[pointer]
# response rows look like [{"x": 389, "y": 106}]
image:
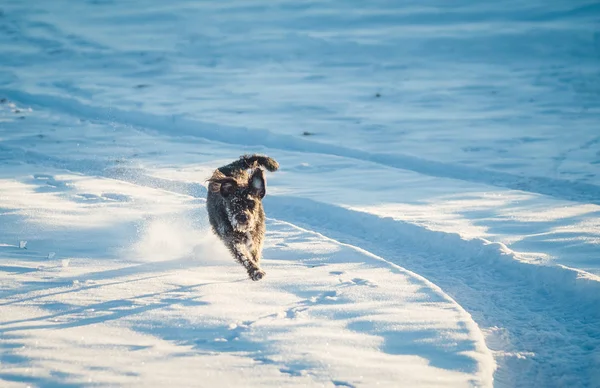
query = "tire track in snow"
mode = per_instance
[{"x": 558, "y": 188}]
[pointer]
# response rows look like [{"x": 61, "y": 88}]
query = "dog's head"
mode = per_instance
[{"x": 242, "y": 198}]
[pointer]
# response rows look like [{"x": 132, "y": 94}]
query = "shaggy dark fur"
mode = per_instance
[{"x": 235, "y": 211}]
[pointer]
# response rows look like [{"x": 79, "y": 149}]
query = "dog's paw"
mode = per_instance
[{"x": 257, "y": 274}]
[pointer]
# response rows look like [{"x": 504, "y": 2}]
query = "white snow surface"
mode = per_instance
[{"x": 435, "y": 221}]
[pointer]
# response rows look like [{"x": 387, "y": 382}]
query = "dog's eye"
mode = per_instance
[{"x": 251, "y": 205}]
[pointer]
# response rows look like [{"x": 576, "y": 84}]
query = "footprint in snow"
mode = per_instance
[
  {"x": 105, "y": 197},
  {"x": 116, "y": 197},
  {"x": 354, "y": 281},
  {"x": 88, "y": 197},
  {"x": 294, "y": 312},
  {"x": 50, "y": 181},
  {"x": 326, "y": 297},
  {"x": 360, "y": 282},
  {"x": 339, "y": 383}
]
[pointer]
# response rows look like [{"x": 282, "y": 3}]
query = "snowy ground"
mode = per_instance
[{"x": 435, "y": 222}]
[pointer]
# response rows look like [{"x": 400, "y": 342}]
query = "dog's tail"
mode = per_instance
[{"x": 250, "y": 161}]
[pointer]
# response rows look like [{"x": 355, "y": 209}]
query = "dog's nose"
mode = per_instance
[{"x": 242, "y": 218}]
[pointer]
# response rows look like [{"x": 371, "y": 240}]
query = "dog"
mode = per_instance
[{"x": 235, "y": 210}]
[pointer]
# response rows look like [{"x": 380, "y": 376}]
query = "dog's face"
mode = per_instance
[{"x": 242, "y": 200}]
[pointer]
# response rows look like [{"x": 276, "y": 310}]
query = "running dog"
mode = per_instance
[{"x": 235, "y": 210}]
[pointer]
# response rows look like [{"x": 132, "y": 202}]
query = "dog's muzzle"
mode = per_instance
[{"x": 241, "y": 219}]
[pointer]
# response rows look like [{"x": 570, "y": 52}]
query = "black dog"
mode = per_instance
[{"x": 235, "y": 211}]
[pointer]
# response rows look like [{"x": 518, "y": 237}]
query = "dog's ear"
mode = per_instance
[
  {"x": 214, "y": 186},
  {"x": 228, "y": 186},
  {"x": 258, "y": 184}
]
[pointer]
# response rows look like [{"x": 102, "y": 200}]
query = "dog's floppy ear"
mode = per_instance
[
  {"x": 226, "y": 186},
  {"x": 258, "y": 183}
]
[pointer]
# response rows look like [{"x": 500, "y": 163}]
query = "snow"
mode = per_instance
[
  {"x": 435, "y": 221},
  {"x": 153, "y": 283}
]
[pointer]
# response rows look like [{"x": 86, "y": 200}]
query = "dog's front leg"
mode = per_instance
[{"x": 241, "y": 254}]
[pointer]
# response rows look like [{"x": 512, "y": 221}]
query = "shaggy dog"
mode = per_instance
[{"x": 235, "y": 211}]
